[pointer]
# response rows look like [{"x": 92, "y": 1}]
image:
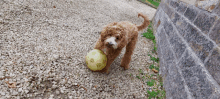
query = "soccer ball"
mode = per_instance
[{"x": 96, "y": 60}]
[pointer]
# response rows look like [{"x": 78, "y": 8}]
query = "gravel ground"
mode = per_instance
[{"x": 43, "y": 44}]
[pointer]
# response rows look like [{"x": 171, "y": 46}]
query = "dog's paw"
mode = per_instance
[
  {"x": 125, "y": 67},
  {"x": 104, "y": 71}
]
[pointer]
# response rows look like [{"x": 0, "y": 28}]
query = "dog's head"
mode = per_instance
[{"x": 113, "y": 36}]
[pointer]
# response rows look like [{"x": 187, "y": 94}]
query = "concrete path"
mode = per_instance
[{"x": 43, "y": 44}]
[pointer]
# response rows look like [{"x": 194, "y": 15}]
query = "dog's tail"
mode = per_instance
[{"x": 145, "y": 24}]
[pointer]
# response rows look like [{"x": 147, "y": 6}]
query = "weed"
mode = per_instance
[
  {"x": 152, "y": 66},
  {"x": 152, "y": 94},
  {"x": 141, "y": 72},
  {"x": 150, "y": 83},
  {"x": 156, "y": 94},
  {"x": 150, "y": 35},
  {"x": 161, "y": 94},
  {"x": 143, "y": 77},
  {"x": 155, "y": 48},
  {"x": 138, "y": 77},
  {"x": 151, "y": 75},
  {"x": 154, "y": 3},
  {"x": 153, "y": 58},
  {"x": 157, "y": 85},
  {"x": 148, "y": 76}
]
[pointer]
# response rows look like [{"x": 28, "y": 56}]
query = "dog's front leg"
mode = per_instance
[
  {"x": 111, "y": 55},
  {"x": 109, "y": 62}
]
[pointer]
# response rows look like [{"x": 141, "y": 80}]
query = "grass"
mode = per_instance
[
  {"x": 150, "y": 35},
  {"x": 155, "y": 48},
  {"x": 140, "y": 70},
  {"x": 159, "y": 94},
  {"x": 158, "y": 91},
  {"x": 153, "y": 58},
  {"x": 152, "y": 94},
  {"x": 153, "y": 67},
  {"x": 150, "y": 83},
  {"x": 153, "y": 3},
  {"x": 153, "y": 80}
]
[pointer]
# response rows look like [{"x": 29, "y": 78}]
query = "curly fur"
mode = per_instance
[{"x": 115, "y": 36}]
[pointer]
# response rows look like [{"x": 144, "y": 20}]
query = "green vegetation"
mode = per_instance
[
  {"x": 150, "y": 83},
  {"x": 154, "y": 59},
  {"x": 138, "y": 77},
  {"x": 141, "y": 72},
  {"x": 156, "y": 94},
  {"x": 157, "y": 84},
  {"x": 152, "y": 66},
  {"x": 152, "y": 3},
  {"x": 152, "y": 79},
  {"x": 150, "y": 35},
  {"x": 155, "y": 48},
  {"x": 152, "y": 94}
]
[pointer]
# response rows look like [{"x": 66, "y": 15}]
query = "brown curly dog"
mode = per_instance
[{"x": 115, "y": 36}]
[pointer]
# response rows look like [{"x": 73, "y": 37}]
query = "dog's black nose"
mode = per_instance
[{"x": 110, "y": 43}]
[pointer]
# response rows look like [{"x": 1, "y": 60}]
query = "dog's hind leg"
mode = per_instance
[{"x": 129, "y": 51}]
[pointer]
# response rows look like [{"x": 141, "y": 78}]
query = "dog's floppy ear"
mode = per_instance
[
  {"x": 103, "y": 34},
  {"x": 124, "y": 39}
]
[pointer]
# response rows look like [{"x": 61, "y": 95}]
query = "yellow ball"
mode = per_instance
[{"x": 96, "y": 60}]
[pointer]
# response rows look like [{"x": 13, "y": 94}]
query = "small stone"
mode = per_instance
[
  {"x": 31, "y": 66},
  {"x": 62, "y": 89},
  {"x": 51, "y": 96},
  {"x": 54, "y": 86},
  {"x": 57, "y": 92},
  {"x": 20, "y": 90},
  {"x": 8, "y": 96},
  {"x": 12, "y": 74},
  {"x": 2, "y": 93},
  {"x": 10, "y": 62},
  {"x": 71, "y": 97},
  {"x": 26, "y": 91},
  {"x": 14, "y": 93},
  {"x": 24, "y": 72},
  {"x": 69, "y": 82},
  {"x": 75, "y": 84},
  {"x": 25, "y": 79},
  {"x": 63, "y": 81},
  {"x": 56, "y": 56},
  {"x": 1, "y": 74}
]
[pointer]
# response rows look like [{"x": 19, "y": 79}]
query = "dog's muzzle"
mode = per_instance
[{"x": 111, "y": 42}]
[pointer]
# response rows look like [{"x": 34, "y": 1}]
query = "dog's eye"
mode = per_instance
[{"x": 117, "y": 38}]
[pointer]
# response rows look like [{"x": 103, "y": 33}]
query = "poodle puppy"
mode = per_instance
[{"x": 115, "y": 36}]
